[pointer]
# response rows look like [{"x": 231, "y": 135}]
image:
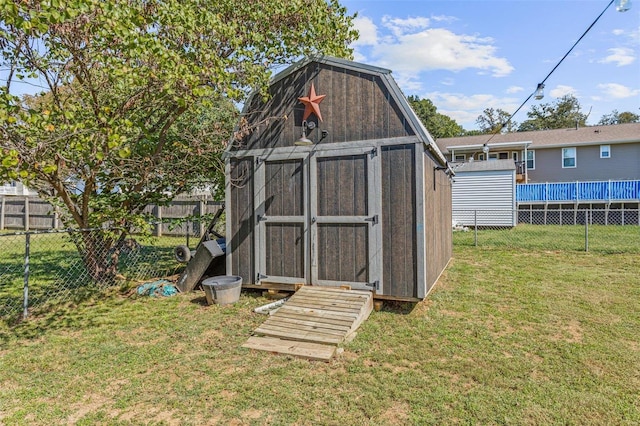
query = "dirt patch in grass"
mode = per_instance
[
  {"x": 397, "y": 414},
  {"x": 570, "y": 332}
]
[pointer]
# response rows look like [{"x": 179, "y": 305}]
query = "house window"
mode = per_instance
[
  {"x": 531, "y": 160},
  {"x": 514, "y": 154},
  {"x": 568, "y": 158},
  {"x": 605, "y": 151},
  {"x": 493, "y": 156},
  {"x": 481, "y": 157},
  {"x": 503, "y": 155},
  {"x": 460, "y": 158}
]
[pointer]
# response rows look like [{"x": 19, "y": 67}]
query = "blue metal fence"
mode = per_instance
[{"x": 571, "y": 192}]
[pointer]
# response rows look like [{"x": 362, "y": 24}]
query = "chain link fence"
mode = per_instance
[
  {"x": 43, "y": 268},
  {"x": 594, "y": 230}
]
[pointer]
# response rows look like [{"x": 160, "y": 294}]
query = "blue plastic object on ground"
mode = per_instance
[{"x": 162, "y": 288}]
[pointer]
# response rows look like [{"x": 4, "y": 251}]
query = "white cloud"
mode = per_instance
[
  {"x": 439, "y": 48},
  {"x": 514, "y": 89},
  {"x": 618, "y": 91},
  {"x": 466, "y": 109},
  {"x": 448, "y": 82},
  {"x": 368, "y": 32},
  {"x": 620, "y": 56},
  {"x": 560, "y": 90},
  {"x": 411, "y": 46},
  {"x": 400, "y": 27}
]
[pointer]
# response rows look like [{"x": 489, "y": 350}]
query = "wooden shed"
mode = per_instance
[{"x": 332, "y": 180}]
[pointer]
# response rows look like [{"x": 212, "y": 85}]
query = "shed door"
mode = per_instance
[
  {"x": 282, "y": 245},
  {"x": 345, "y": 226}
]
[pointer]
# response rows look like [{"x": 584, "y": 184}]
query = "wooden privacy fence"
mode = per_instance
[{"x": 25, "y": 213}]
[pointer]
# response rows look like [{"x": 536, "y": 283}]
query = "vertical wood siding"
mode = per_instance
[
  {"x": 342, "y": 186},
  {"x": 343, "y": 252},
  {"x": 242, "y": 219},
  {"x": 285, "y": 249},
  {"x": 358, "y": 106},
  {"x": 399, "y": 220},
  {"x": 438, "y": 238},
  {"x": 342, "y": 191},
  {"x": 284, "y": 196}
]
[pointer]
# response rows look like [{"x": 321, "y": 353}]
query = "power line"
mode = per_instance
[{"x": 541, "y": 84}]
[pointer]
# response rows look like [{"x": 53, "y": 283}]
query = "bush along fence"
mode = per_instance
[
  {"x": 595, "y": 230},
  {"x": 40, "y": 268}
]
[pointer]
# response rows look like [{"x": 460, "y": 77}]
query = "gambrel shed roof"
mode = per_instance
[{"x": 373, "y": 107}]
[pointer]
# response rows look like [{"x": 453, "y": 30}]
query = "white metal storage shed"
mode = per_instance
[{"x": 484, "y": 193}]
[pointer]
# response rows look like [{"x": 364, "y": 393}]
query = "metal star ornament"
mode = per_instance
[{"x": 312, "y": 103}]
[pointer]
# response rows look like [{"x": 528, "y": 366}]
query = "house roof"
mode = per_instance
[
  {"x": 484, "y": 166},
  {"x": 591, "y": 135}
]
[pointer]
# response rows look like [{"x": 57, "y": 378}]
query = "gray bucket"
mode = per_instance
[{"x": 222, "y": 289}]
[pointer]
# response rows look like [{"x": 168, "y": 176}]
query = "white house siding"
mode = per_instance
[{"x": 484, "y": 198}]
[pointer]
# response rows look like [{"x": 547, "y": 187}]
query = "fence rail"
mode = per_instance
[
  {"x": 596, "y": 191},
  {"x": 25, "y": 213}
]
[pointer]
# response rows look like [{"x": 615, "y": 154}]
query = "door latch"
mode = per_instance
[
  {"x": 373, "y": 219},
  {"x": 375, "y": 285}
]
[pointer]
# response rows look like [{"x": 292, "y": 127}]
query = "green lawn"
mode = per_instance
[
  {"x": 597, "y": 238},
  {"x": 508, "y": 336}
]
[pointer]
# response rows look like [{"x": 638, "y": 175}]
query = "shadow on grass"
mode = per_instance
[
  {"x": 55, "y": 315},
  {"x": 397, "y": 307}
]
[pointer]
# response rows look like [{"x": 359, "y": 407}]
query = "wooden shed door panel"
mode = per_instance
[
  {"x": 343, "y": 219},
  {"x": 280, "y": 197}
]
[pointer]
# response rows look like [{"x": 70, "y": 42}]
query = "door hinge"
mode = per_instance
[
  {"x": 261, "y": 218},
  {"x": 374, "y": 152},
  {"x": 259, "y": 161},
  {"x": 375, "y": 285},
  {"x": 373, "y": 219},
  {"x": 260, "y": 276}
]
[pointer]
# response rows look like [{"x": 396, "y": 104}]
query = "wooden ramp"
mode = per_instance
[{"x": 313, "y": 322}]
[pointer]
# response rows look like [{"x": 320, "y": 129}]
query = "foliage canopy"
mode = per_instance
[
  {"x": 563, "y": 113},
  {"x": 438, "y": 125},
  {"x": 138, "y": 97}
]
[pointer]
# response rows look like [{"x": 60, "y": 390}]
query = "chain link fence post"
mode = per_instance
[
  {"x": 25, "y": 291},
  {"x": 586, "y": 230},
  {"x": 475, "y": 228}
]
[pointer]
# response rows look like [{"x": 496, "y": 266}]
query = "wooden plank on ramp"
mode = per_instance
[{"x": 313, "y": 322}]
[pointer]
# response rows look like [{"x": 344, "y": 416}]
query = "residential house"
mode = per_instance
[
  {"x": 595, "y": 167},
  {"x": 594, "y": 153}
]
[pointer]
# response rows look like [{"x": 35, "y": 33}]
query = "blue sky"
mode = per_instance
[{"x": 466, "y": 56}]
